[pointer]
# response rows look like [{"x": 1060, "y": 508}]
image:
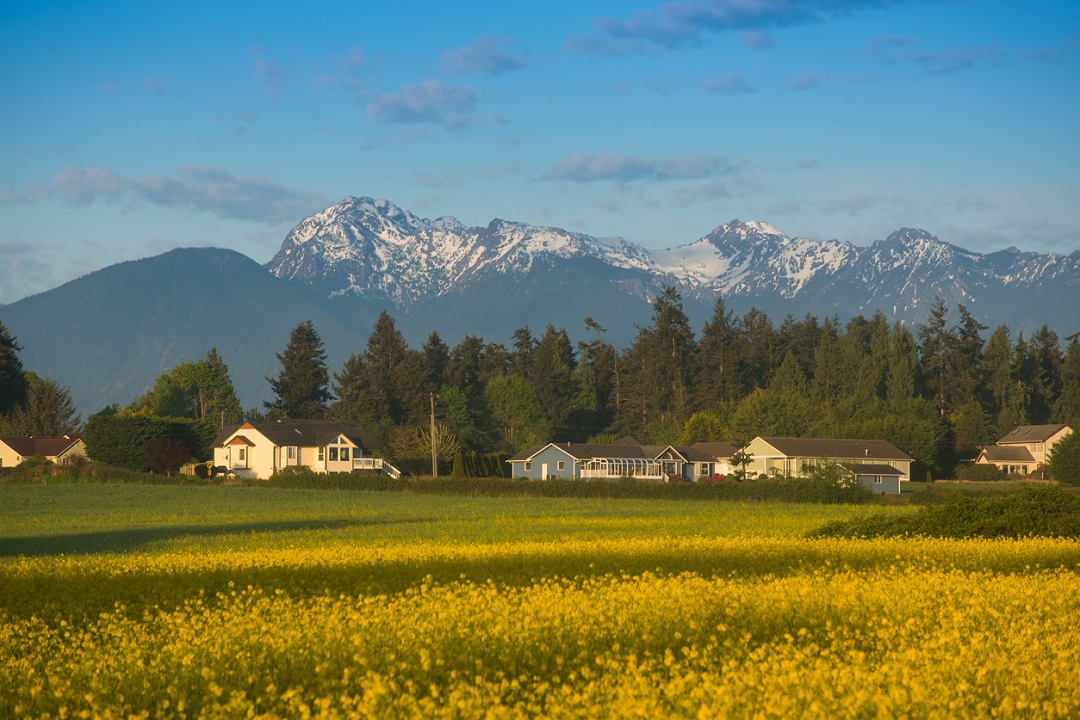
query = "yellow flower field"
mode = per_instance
[{"x": 364, "y": 605}]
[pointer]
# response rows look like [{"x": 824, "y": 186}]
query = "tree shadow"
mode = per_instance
[{"x": 127, "y": 540}]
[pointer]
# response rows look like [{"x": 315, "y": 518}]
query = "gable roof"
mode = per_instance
[
  {"x": 303, "y": 433},
  {"x": 41, "y": 446},
  {"x": 1005, "y": 453},
  {"x": 872, "y": 469},
  {"x": 838, "y": 448},
  {"x": 1031, "y": 433},
  {"x": 620, "y": 449},
  {"x": 716, "y": 450}
]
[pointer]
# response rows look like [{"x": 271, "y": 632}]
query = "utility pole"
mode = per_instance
[{"x": 434, "y": 454}]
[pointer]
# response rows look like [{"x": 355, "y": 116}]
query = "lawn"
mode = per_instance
[{"x": 165, "y": 601}]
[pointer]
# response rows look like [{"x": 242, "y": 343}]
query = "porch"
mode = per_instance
[
  {"x": 641, "y": 469},
  {"x": 370, "y": 463}
]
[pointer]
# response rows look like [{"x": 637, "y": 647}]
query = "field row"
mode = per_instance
[
  {"x": 219, "y": 604},
  {"x": 818, "y": 643}
]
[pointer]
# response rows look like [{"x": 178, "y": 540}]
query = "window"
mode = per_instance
[
  {"x": 243, "y": 454},
  {"x": 345, "y": 453},
  {"x": 528, "y": 466},
  {"x": 333, "y": 454},
  {"x": 292, "y": 452},
  {"x": 878, "y": 480},
  {"x": 562, "y": 464},
  {"x": 322, "y": 454}
]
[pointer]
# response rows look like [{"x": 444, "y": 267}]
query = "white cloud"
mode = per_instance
[
  {"x": 728, "y": 83},
  {"x": 589, "y": 167},
  {"x": 484, "y": 56},
  {"x": 201, "y": 188},
  {"x": 426, "y": 101}
]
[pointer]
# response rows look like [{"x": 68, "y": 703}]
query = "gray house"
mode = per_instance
[{"x": 616, "y": 460}]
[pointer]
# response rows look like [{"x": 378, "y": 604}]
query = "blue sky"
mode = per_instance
[{"x": 130, "y": 128}]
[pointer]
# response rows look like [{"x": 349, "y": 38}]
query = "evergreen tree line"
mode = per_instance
[{"x": 938, "y": 393}]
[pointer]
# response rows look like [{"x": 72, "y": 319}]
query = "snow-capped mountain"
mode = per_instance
[
  {"x": 372, "y": 251},
  {"x": 341, "y": 267}
]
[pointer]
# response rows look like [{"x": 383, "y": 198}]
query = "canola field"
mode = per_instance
[{"x": 129, "y": 601}]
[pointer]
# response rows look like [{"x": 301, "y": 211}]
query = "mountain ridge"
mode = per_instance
[
  {"x": 419, "y": 260},
  {"x": 124, "y": 325}
]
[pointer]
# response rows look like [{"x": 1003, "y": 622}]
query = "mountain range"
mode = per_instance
[{"x": 126, "y": 324}]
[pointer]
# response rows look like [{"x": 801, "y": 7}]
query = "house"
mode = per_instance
[
  {"x": 1025, "y": 450},
  {"x": 771, "y": 456},
  {"x": 882, "y": 479},
  {"x": 259, "y": 449},
  {"x": 13, "y": 450},
  {"x": 626, "y": 458}
]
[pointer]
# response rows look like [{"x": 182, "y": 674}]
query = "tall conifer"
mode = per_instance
[{"x": 300, "y": 389}]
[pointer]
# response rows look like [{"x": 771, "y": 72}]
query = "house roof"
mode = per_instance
[
  {"x": 1005, "y": 453},
  {"x": 591, "y": 451},
  {"x": 872, "y": 469},
  {"x": 303, "y": 433},
  {"x": 41, "y": 446},
  {"x": 839, "y": 448},
  {"x": 716, "y": 450},
  {"x": 1031, "y": 433}
]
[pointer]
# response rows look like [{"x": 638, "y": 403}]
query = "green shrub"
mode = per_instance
[
  {"x": 1044, "y": 511},
  {"x": 979, "y": 472}
]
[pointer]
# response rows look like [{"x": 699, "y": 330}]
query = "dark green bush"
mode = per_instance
[
  {"x": 981, "y": 472},
  {"x": 1065, "y": 460},
  {"x": 121, "y": 440},
  {"x": 1044, "y": 511}
]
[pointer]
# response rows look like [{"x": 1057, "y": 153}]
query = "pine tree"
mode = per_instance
[
  {"x": 523, "y": 357},
  {"x": 435, "y": 356},
  {"x": 300, "y": 389},
  {"x": 717, "y": 359},
  {"x": 464, "y": 366},
  {"x": 13, "y": 383},
  {"x": 1046, "y": 361},
  {"x": 604, "y": 361},
  {"x": 902, "y": 374},
  {"x": 759, "y": 349},
  {"x": 351, "y": 387},
  {"x": 552, "y": 378},
  {"x": 1067, "y": 407},
  {"x": 659, "y": 371},
  {"x": 967, "y": 360},
  {"x": 998, "y": 379},
  {"x": 936, "y": 349}
]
